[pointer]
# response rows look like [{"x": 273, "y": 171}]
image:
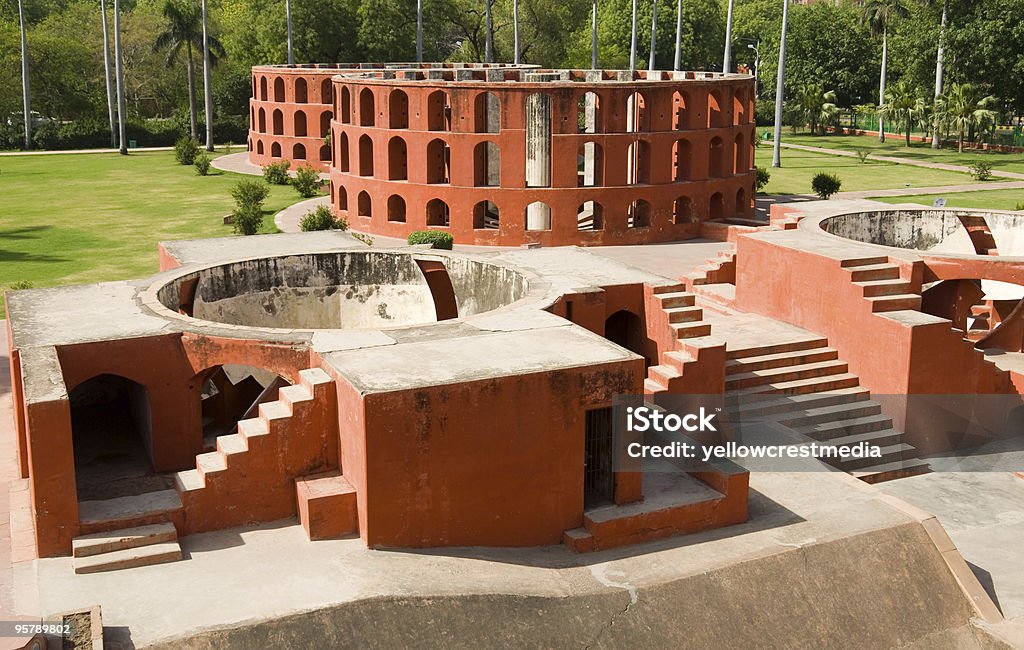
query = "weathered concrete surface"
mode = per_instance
[{"x": 852, "y": 568}]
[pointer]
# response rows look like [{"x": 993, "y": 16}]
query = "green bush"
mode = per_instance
[
  {"x": 277, "y": 173},
  {"x": 186, "y": 150},
  {"x": 21, "y": 285},
  {"x": 366, "y": 239},
  {"x": 825, "y": 185},
  {"x": 981, "y": 170},
  {"x": 249, "y": 193},
  {"x": 202, "y": 164},
  {"x": 1020, "y": 207},
  {"x": 763, "y": 176},
  {"x": 247, "y": 219},
  {"x": 322, "y": 219},
  {"x": 306, "y": 181},
  {"x": 862, "y": 155},
  {"x": 437, "y": 238}
]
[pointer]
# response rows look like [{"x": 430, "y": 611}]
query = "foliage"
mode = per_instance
[
  {"x": 202, "y": 164},
  {"x": 250, "y": 193},
  {"x": 437, "y": 238},
  {"x": 277, "y": 173},
  {"x": 363, "y": 237},
  {"x": 817, "y": 106},
  {"x": 185, "y": 150},
  {"x": 862, "y": 155},
  {"x": 981, "y": 170},
  {"x": 763, "y": 176},
  {"x": 825, "y": 184},
  {"x": 322, "y": 219},
  {"x": 960, "y": 108},
  {"x": 306, "y": 181},
  {"x": 904, "y": 104},
  {"x": 21, "y": 285},
  {"x": 247, "y": 219}
]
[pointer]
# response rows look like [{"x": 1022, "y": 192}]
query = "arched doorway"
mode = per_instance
[{"x": 626, "y": 329}]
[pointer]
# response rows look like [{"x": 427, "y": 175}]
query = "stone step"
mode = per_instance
[
  {"x": 881, "y": 438},
  {"x": 663, "y": 374},
  {"x": 684, "y": 314},
  {"x": 129, "y": 558},
  {"x": 776, "y": 348},
  {"x": 799, "y": 386},
  {"x": 885, "y": 287},
  {"x": 128, "y": 512},
  {"x": 116, "y": 540},
  {"x": 870, "y": 272},
  {"x": 668, "y": 288},
  {"x": 889, "y": 471},
  {"x": 785, "y": 373},
  {"x": 677, "y": 359},
  {"x": 831, "y": 412},
  {"x": 211, "y": 463},
  {"x": 895, "y": 302},
  {"x": 780, "y": 359},
  {"x": 651, "y": 387},
  {"x": 765, "y": 405},
  {"x": 890, "y": 454},
  {"x": 676, "y": 299},
  {"x": 840, "y": 428},
  {"x": 863, "y": 261},
  {"x": 688, "y": 330}
]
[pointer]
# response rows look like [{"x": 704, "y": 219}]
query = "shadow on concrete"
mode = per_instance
[
  {"x": 117, "y": 637},
  {"x": 227, "y": 538},
  {"x": 763, "y": 202},
  {"x": 985, "y": 578},
  {"x": 765, "y": 514}
]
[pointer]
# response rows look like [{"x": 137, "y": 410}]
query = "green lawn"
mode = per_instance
[
  {"x": 922, "y": 151},
  {"x": 990, "y": 199},
  {"x": 78, "y": 218},
  {"x": 799, "y": 167}
]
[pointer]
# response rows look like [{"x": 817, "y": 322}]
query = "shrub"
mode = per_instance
[
  {"x": 1020, "y": 207},
  {"x": 366, "y": 239},
  {"x": 862, "y": 155},
  {"x": 437, "y": 238},
  {"x": 185, "y": 151},
  {"x": 21, "y": 285},
  {"x": 250, "y": 193},
  {"x": 825, "y": 185},
  {"x": 981, "y": 170},
  {"x": 763, "y": 176},
  {"x": 202, "y": 164},
  {"x": 322, "y": 219},
  {"x": 247, "y": 219},
  {"x": 306, "y": 181},
  {"x": 277, "y": 173}
]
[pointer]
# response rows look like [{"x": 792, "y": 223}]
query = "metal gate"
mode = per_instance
[{"x": 598, "y": 478}]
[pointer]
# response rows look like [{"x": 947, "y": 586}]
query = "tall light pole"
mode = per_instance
[
  {"x": 288, "y": 19},
  {"x": 780, "y": 88},
  {"x": 119, "y": 69},
  {"x": 939, "y": 60},
  {"x": 632, "y": 41},
  {"x": 489, "y": 36},
  {"x": 515, "y": 31},
  {"x": 106, "y": 74},
  {"x": 654, "y": 34},
  {"x": 727, "y": 58},
  {"x": 677, "y": 61},
  {"x": 25, "y": 102},
  {"x": 756, "y": 47},
  {"x": 419, "y": 31},
  {"x": 207, "y": 86},
  {"x": 593, "y": 39}
]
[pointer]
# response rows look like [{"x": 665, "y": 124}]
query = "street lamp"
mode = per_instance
[{"x": 756, "y": 47}]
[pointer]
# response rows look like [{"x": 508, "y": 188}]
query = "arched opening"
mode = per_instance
[
  {"x": 486, "y": 216},
  {"x": 341, "y": 202},
  {"x": 590, "y": 216},
  {"x": 364, "y": 205},
  {"x": 486, "y": 165},
  {"x": 231, "y": 393},
  {"x": 345, "y": 106},
  {"x": 325, "y": 153},
  {"x": 301, "y": 91},
  {"x": 343, "y": 152},
  {"x": 682, "y": 155},
  {"x": 626, "y": 329},
  {"x": 439, "y": 111},
  {"x": 682, "y": 210},
  {"x": 538, "y": 157},
  {"x": 716, "y": 207},
  {"x": 588, "y": 114},
  {"x": 638, "y": 115},
  {"x": 111, "y": 433},
  {"x": 398, "y": 110},
  {"x": 639, "y": 162},
  {"x": 279, "y": 89},
  {"x": 590, "y": 165},
  {"x": 742, "y": 205},
  {"x": 438, "y": 213},
  {"x": 538, "y": 216},
  {"x": 716, "y": 112},
  {"x": 639, "y": 214},
  {"x": 275, "y": 150},
  {"x": 741, "y": 155},
  {"x": 299, "y": 152},
  {"x": 365, "y": 156},
  {"x": 680, "y": 116},
  {"x": 366, "y": 109},
  {"x": 716, "y": 158},
  {"x": 487, "y": 113},
  {"x": 739, "y": 108},
  {"x": 438, "y": 162},
  {"x": 300, "y": 124},
  {"x": 396, "y": 208},
  {"x": 259, "y": 147},
  {"x": 254, "y": 95},
  {"x": 325, "y": 124},
  {"x": 250, "y": 144},
  {"x": 263, "y": 89},
  {"x": 278, "y": 119},
  {"x": 398, "y": 164},
  {"x": 326, "y": 91},
  {"x": 252, "y": 117},
  {"x": 263, "y": 121}
]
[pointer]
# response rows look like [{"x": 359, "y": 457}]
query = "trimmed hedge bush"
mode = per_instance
[
  {"x": 94, "y": 133},
  {"x": 249, "y": 193},
  {"x": 825, "y": 185},
  {"x": 202, "y": 164},
  {"x": 306, "y": 181},
  {"x": 322, "y": 219},
  {"x": 437, "y": 238},
  {"x": 277, "y": 173},
  {"x": 186, "y": 150}
]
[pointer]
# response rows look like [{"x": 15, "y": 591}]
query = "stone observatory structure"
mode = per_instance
[{"x": 500, "y": 155}]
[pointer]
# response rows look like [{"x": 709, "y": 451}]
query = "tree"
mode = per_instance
[
  {"x": 961, "y": 108},
  {"x": 184, "y": 31},
  {"x": 817, "y": 106},
  {"x": 903, "y": 103},
  {"x": 878, "y": 14}
]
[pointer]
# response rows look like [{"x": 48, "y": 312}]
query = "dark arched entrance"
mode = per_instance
[{"x": 630, "y": 331}]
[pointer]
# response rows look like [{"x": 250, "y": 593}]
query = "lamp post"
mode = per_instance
[{"x": 756, "y": 47}]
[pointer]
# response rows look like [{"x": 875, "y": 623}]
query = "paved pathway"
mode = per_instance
[{"x": 239, "y": 164}]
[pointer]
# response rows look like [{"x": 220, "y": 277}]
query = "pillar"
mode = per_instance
[{"x": 538, "y": 150}]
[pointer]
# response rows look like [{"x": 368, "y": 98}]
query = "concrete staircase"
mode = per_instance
[
  {"x": 126, "y": 549},
  {"x": 719, "y": 270},
  {"x": 881, "y": 284},
  {"x": 805, "y": 387},
  {"x": 686, "y": 321}
]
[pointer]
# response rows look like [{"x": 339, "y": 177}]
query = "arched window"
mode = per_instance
[
  {"x": 438, "y": 162},
  {"x": 682, "y": 155},
  {"x": 300, "y": 124},
  {"x": 437, "y": 213},
  {"x": 538, "y": 216},
  {"x": 325, "y": 153},
  {"x": 364, "y": 205},
  {"x": 396, "y": 208},
  {"x": 588, "y": 114},
  {"x": 263, "y": 121},
  {"x": 398, "y": 164},
  {"x": 742, "y": 205},
  {"x": 680, "y": 114},
  {"x": 263, "y": 89},
  {"x": 345, "y": 108},
  {"x": 366, "y": 110},
  {"x": 325, "y": 124},
  {"x": 301, "y": 91},
  {"x": 326, "y": 91},
  {"x": 590, "y": 216},
  {"x": 487, "y": 113},
  {"x": 279, "y": 89},
  {"x": 682, "y": 210},
  {"x": 343, "y": 157},
  {"x": 341, "y": 203},
  {"x": 639, "y": 214},
  {"x": 590, "y": 165},
  {"x": 716, "y": 112},
  {"x": 739, "y": 108},
  {"x": 716, "y": 158},
  {"x": 259, "y": 147},
  {"x": 439, "y": 111},
  {"x": 638, "y": 115},
  {"x": 486, "y": 216},
  {"x": 398, "y": 110},
  {"x": 639, "y": 162},
  {"x": 487, "y": 165},
  {"x": 275, "y": 150},
  {"x": 716, "y": 208},
  {"x": 278, "y": 122},
  {"x": 741, "y": 155},
  {"x": 365, "y": 155},
  {"x": 299, "y": 152}
]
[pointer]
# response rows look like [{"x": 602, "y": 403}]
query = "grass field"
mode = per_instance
[
  {"x": 799, "y": 167},
  {"x": 76, "y": 218},
  {"x": 921, "y": 151},
  {"x": 990, "y": 199}
]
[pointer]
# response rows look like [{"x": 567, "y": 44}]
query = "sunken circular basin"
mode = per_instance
[{"x": 343, "y": 290}]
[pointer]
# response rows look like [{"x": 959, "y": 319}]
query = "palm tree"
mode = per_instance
[
  {"x": 817, "y": 105},
  {"x": 903, "y": 103},
  {"x": 25, "y": 100},
  {"x": 185, "y": 32},
  {"x": 878, "y": 14},
  {"x": 961, "y": 108}
]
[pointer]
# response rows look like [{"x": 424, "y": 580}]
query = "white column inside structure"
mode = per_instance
[{"x": 538, "y": 150}]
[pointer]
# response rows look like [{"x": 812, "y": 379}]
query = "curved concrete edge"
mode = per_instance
[
  {"x": 237, "y": 163},
  {"x": 883, "y": 587}
]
